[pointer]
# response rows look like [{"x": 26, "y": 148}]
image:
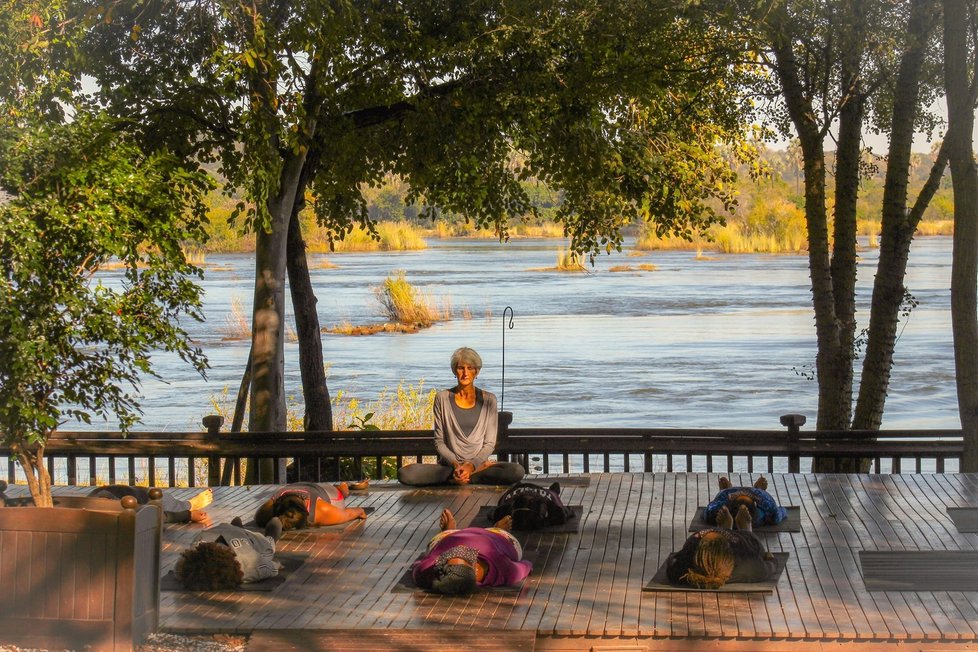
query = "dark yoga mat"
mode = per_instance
[
  {"x": 965, "y": 518},
  {"x": 484, "y": 519},
  {"x": 919, "y": 570},
  {"x": 290, "y": 562},
  {"x": 661, "y": 582},
  {"x": 790, "y": 524}
]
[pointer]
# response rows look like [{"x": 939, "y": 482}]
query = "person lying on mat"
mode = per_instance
[
  {"x": 465, "y": 426},
  {"x": 532, "y": 507},
  {"x": 225, "y": 555},
  {"x": 309, "y": 504},
  {"x": 719, "y": 555},
  {"x": 763, "y": 508},
  {"x": 458, "y": 561},
  {"x": 174, "y": 510}
]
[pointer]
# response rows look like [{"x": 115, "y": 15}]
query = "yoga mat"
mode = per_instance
[
  {"x": 572, "y": 481},
  {"x": 289, "y": 561},
  {"x": 965, "y": 518},
  {"x": 790, "y": 524},
  {"x": 660, "y": 582},
  {"x": 919, "y": 570},
  {"x": 484, "y": 519}
]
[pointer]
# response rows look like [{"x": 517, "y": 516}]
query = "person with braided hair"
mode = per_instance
[
  {"x": 763, "y": 508},
  {"x": 719, "y": 555},
  {"x": 459, "y": 561}
]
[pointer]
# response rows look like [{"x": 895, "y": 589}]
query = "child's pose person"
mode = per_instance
[
  {"x": 763, "y": 508},
  {"x": 174, "y": 509},
  {"x": 715, "y": 556},
  {"x": 226, "y": 555},
  {"x": 308, "y": 504},
  {"x": 458, "y": 561}
]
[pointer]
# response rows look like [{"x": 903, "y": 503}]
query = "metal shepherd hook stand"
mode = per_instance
[{"x": 502, "y": 390}]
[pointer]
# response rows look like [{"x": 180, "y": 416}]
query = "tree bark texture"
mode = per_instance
[
  {"x": 898, "y": 226},
  {"x": 964, "y": 180}
]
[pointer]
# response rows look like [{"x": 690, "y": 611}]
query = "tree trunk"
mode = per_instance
[
  {"x": 834, "y": 377},
  {"x": 268, "y": 412},
  {"x": 318, "y": 415},
  {"x": 897, "y": 226},
  {"x": 964, "y": 265}
]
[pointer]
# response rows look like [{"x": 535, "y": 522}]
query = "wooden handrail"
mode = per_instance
[{"x": 217, "y": 447}]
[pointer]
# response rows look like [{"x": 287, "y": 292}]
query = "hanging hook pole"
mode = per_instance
[{"x": 502, "y": 391}]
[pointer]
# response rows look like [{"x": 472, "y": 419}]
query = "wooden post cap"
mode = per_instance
[
  {"x": 130, "y": 502},
  {"x": 796, "y": 420},
  {"x": 213, "y": 423},
  {"x": 155, "y": 493}
]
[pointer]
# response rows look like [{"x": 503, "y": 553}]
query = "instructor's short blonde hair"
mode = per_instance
[{"x": 465, "y": 355}]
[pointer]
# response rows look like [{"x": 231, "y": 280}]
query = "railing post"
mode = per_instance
[
  {"x": 793, "y": 422},
  {"x": 213, "y": 423},
  {"x": 502, "y": 434}
]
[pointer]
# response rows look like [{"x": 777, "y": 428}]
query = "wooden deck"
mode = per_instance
[{"x": 586, "y": 588}]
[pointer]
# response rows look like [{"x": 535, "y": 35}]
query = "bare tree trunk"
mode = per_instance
[
  {"x": 964, "y": 179},
  {"x": 898, "y": 225}
]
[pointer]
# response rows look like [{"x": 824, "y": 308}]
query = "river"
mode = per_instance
[{"x": 723, "y": 341}]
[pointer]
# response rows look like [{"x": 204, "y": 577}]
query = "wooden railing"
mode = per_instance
[{"x": 215, "y": 458}]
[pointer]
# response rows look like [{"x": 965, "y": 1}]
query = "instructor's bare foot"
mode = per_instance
[
  {"x": 359, "y": 486},
  {"x": 744, "y": 519},
  {"x": 724, "y": 518},
  {"x": 203, "y": 499},
  {"x": 197, "y": 516},
  {"x": 724, "y": 483},
  {"x": 447, "y": 520},
  {"x": 505, "y": 523},
  {"x": 761, "y": 483}
]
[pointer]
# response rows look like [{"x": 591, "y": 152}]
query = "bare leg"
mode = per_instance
[
  {"x": 724, "y": 483},
  {"x": 343, "y": 488},
  {"x": 505, "y": 523},
  {"x": 447, "y": 520},
  {"x": 724, "y": 518},
  {"x": 761, "y": 483},
  {"x": 744, "y": 521},
  {"x": 202, "y": 500}
]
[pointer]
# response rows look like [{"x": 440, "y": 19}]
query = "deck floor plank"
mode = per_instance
[{"x": 588, "y": 584}]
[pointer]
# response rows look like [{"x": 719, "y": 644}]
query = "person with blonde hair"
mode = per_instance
[
  {"x": 720, "y": 555},
  {"x": 466, "y": 423}
]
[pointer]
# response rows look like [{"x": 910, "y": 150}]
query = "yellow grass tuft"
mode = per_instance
[{"x": 402, "y": 303}]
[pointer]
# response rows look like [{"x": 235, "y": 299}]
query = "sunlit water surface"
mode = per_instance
[{"x": 722, "y": 342}]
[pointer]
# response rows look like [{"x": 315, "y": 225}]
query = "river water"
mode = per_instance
[{"x": 723, "y": 341}]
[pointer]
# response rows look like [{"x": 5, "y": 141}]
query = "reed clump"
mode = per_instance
[
  {"x": 644, "y": 267},
  {"x": 402, "y": 303},
  {"x": 392, "y": 236}
]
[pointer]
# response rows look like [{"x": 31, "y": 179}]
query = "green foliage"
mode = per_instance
[{"x": 71, "y": 347}]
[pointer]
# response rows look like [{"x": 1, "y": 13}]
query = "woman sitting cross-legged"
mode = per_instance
[
  {"x": 309, "y": 504},
  {"x": 465, "y": 426},
  {"x": 458, "y": 561},
  {"x": 226, "y": 555},
  {"x": 719, "y": 555},
  {"x": 763, "y": 508},
  {"x": 174, "y": 509}
]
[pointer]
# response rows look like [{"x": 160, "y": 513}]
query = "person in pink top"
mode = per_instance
[{"x": 459, "y": 561}]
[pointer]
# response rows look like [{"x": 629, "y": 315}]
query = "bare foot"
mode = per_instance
[
  {"x": 505, "y": 523},
  {"x": 744, "y": 520},
  {"x": 203, "y": 499},
  {"x": 724, "y": 519},
  {"x": 768, "y": 555},
  {"x": 359, "y": 486},
  {"x": 343, "y": 488},
  {"x": 447, "y": 520},
  {"x": 761, "y": 483},
  {"x": 197, "y": 516},
  {"x": 725, "y": 483}
]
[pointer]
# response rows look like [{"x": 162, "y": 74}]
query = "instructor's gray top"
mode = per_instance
[
  {"x": 254, "y": 551},
  {"x": 456, "y": 447}
]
